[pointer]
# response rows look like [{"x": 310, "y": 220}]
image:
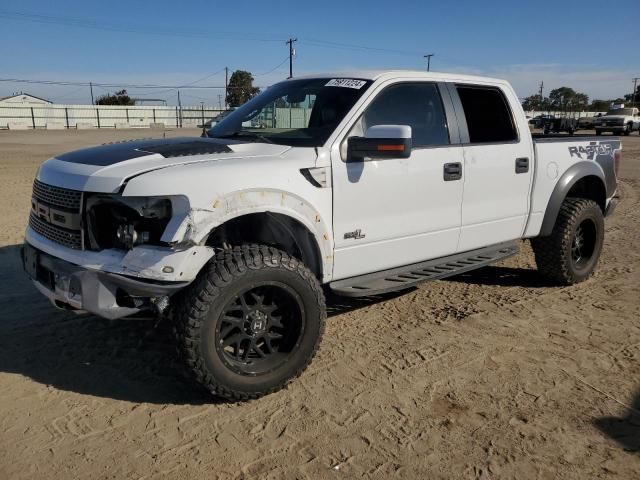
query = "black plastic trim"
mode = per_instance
[
  {"x": 574, "y": 173},
  {"x": 411, "y": 275}
]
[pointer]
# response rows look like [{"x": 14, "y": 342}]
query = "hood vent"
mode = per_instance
[{"x": 195, "y": 147}]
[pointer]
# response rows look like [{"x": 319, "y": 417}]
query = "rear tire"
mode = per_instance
[
  {"x": 251, "y": 322},
  {"x": 570, "y": 254}
]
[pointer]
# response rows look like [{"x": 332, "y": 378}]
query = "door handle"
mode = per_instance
[
  {"x": 452, "y": 171},
  {"x": 522, "y": 165}
]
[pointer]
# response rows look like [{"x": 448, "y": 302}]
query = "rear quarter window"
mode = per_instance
[{"x": 488, "y": 115}]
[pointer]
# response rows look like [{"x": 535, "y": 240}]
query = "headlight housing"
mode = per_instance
[{"x": 114, "y": 221}]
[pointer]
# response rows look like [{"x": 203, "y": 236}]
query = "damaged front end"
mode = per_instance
[{"x": 109, "y": 254}]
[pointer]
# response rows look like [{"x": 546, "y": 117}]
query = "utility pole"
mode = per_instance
[
  {"x": 292, "y": 52},
  {"x": 541, "y": 98},
  {"x": 220, "y": 101},
  {"x": 428, "y": 57},
  {"x": 91, "y": 88},
  {"x": 226, "y": 83},
  {"x": 633, "y": 95},
  {"x": 180, "y": 108}
]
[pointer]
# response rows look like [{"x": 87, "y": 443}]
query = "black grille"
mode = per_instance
[
  {"x": 56, "y": 196},
  {"x": 68, "y": 238}
]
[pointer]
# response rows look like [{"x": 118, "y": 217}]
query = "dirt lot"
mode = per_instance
[{"x": 493, "y": 374}]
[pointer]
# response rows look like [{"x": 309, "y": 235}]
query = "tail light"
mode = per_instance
[{"x": 617, "y": 156}]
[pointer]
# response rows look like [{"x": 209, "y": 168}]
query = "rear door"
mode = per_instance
[
  {"x": 398, "y": 211},
  {"x": 498, "y": 165}
]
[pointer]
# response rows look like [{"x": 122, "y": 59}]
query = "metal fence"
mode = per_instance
[{"x": 20, "y": 117}]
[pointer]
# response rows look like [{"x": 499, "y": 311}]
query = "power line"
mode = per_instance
[
  {"x": 273, "y": 69},
  {"x": 115, "y": 27},
  {"x": 350, "y": 46},
  {"x": 173, "y": 31},
  {"x": 109, "y": 85}
]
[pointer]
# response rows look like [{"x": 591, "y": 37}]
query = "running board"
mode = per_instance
[{"x": 411, "y": 275}]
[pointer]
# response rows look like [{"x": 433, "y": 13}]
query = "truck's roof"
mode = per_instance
[{"x": 390, "y": 74}]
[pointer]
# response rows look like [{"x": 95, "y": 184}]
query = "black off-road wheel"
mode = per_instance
[
  {"x": 251, "y": 322},
  {"x": 628, "y": 129},
  {"x": 570, "y": 254}
]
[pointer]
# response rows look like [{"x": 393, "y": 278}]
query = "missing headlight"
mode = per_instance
[{"x": 114, "y": 221}]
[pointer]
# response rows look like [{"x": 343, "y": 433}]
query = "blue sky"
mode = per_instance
[{"x": 593, "y": 46}]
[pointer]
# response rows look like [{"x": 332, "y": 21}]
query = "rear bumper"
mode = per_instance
[{"x": 105, "y": 294}]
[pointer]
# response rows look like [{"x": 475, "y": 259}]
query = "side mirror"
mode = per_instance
[{"x": 380, "y": 142}]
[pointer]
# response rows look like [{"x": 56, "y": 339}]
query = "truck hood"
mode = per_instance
[{"x": 106, "y": 168}]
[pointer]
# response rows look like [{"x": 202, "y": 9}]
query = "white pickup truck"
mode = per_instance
[
  {"x": 359, "y": 183},
  {"x": 619, "y": 120}
]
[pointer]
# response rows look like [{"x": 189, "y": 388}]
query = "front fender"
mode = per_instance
[{"x": 198, "y": 223}]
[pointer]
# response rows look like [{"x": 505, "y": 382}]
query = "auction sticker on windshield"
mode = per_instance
[{"x": 346, "y": 82}]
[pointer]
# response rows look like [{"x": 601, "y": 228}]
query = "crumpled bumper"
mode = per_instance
[{"x": 110, "y": 284}]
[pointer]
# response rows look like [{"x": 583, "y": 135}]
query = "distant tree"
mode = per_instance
[
  {"x": 119, "y": 98},
  {"x": 532, "y": 102},
  {"x": 240, "y": 88},
  {"x": 566, "y": 98},
  {"x": 599, "y": 105}
]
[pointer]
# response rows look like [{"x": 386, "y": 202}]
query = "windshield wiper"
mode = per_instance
[{"x": 257, "y": 136}]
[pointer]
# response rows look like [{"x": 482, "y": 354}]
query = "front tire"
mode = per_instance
[
  {"x": 570, "y": 254},
  {"x": 251, "y": 322}
]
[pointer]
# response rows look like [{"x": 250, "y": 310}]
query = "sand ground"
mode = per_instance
[{"x": 493, "y": 374}]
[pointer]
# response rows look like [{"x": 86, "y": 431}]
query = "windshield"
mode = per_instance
[
  {"x": 621, "y": 111},
  {"x": 300, "y": 113}
]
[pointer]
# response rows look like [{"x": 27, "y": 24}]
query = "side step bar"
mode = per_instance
[{"x": 411, "y": 275}]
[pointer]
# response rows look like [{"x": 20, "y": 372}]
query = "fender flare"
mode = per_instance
[
  {"x": 574, "y": 173},
  {"x": 199, "y": 223}
]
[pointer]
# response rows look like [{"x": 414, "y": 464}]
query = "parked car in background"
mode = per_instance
[
  {"x": 618, "y": 120},
  {"x": 539, "y": 120},
  {"x": 585, "y": 123},
  {"x": 560, "y": 124}
]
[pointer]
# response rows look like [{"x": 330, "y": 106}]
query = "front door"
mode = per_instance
[{"x": 398, "y": 211}]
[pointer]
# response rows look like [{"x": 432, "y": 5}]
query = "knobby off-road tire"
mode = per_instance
[
  {"x": 251, "y": 322},
  {"x": 570, "y": 254},
  {"x": 628, "y": 129}
]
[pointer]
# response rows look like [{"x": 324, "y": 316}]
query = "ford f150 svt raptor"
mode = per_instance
[{"x": 359, "y": 183}]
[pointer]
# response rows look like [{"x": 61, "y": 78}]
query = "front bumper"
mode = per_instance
[
  {"x": 110, "y": 284},
  {"x": 610, "y": 128},
  {"x": 107, "y": 295}
]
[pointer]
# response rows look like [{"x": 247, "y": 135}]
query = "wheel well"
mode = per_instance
[
  {"x": 592, "y": 188},
  {"x": 273, "y": 229}
]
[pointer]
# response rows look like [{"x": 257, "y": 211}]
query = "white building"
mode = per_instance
[{"x": 24, "y": 99}]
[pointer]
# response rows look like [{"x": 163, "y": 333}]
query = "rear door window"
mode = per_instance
[{"x": 488, "y": 115}]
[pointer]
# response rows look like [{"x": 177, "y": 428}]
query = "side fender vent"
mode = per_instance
[{"x": 319, "y": 177}]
